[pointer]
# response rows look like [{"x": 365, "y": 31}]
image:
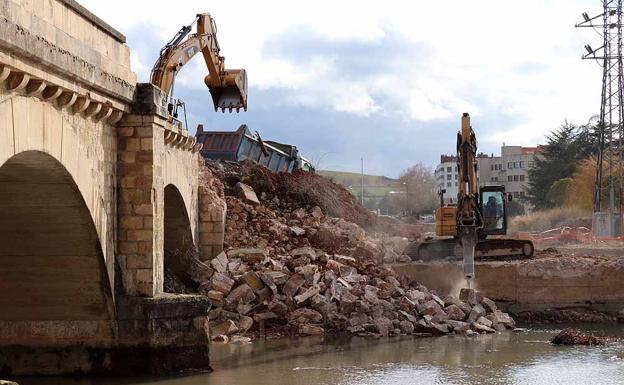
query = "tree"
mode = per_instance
[
  {"x": 565, "y": 147},
  {"x": 557, "y": 193},
  {"x": 419, "y": 196}
]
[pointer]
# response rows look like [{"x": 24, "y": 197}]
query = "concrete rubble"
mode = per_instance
[{"x": 297, "y": 269}]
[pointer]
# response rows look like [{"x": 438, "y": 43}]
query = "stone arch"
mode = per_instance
[
  {"x": 178, "y": 242},
  {"x": 86, "y": 149},
  {"x": 51, "y": 262}
]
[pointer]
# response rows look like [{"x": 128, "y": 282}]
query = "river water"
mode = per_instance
[{"x": 506, "y": 358}]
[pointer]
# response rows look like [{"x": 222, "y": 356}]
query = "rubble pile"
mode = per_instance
[
  {"x": 291, "y": 268},
  {"x": 577, "y": 337},
  {"x": 314, "y": 292},
  {"x": 284, "y": 191}
]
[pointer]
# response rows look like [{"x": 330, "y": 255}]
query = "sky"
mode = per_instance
[{"x": 383, "y": 81}]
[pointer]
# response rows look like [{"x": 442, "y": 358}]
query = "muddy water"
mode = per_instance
[{"x": 507, "y": 358}]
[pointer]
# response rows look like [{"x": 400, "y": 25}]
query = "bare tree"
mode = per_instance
[{"x": 418, "y": 195}]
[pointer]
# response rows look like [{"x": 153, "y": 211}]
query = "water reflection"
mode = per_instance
[{"x": 507, "y": 358}]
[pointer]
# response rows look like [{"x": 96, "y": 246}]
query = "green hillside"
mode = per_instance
[{"x": 377, "y": 188}]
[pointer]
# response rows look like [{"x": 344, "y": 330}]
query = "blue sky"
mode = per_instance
[{"x": 350, "y": 79}]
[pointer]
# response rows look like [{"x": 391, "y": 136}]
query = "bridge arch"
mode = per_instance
[
  {"x": 178, "y": 242},
  {"x": 51, "y": 262}
]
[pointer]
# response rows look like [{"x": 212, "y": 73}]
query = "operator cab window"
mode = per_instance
[{"x": 493, "y": 211}]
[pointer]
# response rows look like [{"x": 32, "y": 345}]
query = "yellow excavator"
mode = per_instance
[
  {"x": 228, "y": 87},
  {"x": 480, "y": 212}
]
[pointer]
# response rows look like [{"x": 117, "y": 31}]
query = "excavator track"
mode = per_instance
[{"x": 487, "y": 249}]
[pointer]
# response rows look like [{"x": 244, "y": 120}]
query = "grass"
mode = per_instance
[{"x": 550, "y": 219}]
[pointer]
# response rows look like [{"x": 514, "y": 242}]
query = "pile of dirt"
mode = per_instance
[
  {"x": 577, "y": 337},
  {"x": 296, "y": 190}
]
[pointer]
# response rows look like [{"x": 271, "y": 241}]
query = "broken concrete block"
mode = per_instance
[
  {"x": 345, "y": 260},
  {"x": 484, "y": 321},
  {"x": 358, "y": 319},
  {"x": 505, "y": 319},
  {"x": 253, "y": 280},
  {"x": 199, "y": 271},
  {"x": 455, "y": 313},
  {"x": 469, "y": 296},
  {"x": 489, "y": 305},
  {"x": 226, "y": 327},
  {"x": 297, "y": 231},
  {"x": 480, "y": 328},
  {"x": 216, "y": 297},
  {"x": 221, "y": 282},
  {"x": 465, "y": 307},
  {"x": 220, "y": 262},
  {"x": 279, "y": 308},
  {"x": 297, "y": 262},
  {"x": 264, "y": 294},
  {"x": 440, "y": 317},
  {"x": 406, "y": 327},
  {"x": 293, "y": 284},
  {"x": 241, "y": 295},
  {"x": 277, "y": 277},
  {"x": 264, "y": 316},
  {"x": 247, "y": 194},
  {"x": 459, "y": 327},
  {"x": 438, "y": 300},
  {"x": 310, "y": 330},
  {"x": 415, "y": 295},
  {"x": 306, "y": 295},
  {"x": 477, "y": 311},
  {"x": 430, "y": 307},
  {"x": 304, "y": 315},
  {"x": 249, "y": 255},
  {"x": 383, "y": 325},
  {"x": 244, "y": 323}
]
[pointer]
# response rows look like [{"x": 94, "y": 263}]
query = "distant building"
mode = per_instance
[
  {"x": 510, "y": 169},
  {"x": 446, "y": 176}
]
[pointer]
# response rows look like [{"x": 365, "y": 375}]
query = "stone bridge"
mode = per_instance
[{"x": 97, "y": 187}]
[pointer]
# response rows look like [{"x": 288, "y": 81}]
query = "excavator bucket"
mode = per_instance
[{"x": 232, "y": 95}]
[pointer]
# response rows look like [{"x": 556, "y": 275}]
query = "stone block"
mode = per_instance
[
  {"x": 469, "y": 296},
  {"x": 293, "y": 284},
  {"x": 247, "y": 193}
]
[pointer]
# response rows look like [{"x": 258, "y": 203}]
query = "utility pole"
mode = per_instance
[{"x": 610, "y": 129}]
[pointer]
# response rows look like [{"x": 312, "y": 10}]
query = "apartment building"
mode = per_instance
[
  {"x": 446, "y": 176},
  {"x": 510, "y": 169}
]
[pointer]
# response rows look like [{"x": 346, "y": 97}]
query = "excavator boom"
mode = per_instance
[{"x": 228, "y": 87}]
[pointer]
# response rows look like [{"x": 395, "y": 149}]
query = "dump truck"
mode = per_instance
[{"x": 242, "y": 144}]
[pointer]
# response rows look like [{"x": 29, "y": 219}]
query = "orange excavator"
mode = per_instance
[
  {"x": 480, "y": 212},
  {"x": 228, "y": 87}
]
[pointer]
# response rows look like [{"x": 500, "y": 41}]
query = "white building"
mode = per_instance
[
  {"x": 447, "y": 178},
  {"x": 510, "y": 169}
]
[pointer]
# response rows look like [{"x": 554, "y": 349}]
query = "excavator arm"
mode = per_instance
[
  {"x": 467, "y": 196},
  {"x": 228, "y": 87}
]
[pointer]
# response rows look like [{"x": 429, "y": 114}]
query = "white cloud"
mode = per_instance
[{"x": 516, "y": 59}]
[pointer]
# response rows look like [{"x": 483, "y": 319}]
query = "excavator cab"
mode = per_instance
[{"x": 493, "y": 208}]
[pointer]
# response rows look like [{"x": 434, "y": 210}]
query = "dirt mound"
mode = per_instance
[
  {"x": 577, "y": 337},
  {"x": 297, "y": 190}
]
